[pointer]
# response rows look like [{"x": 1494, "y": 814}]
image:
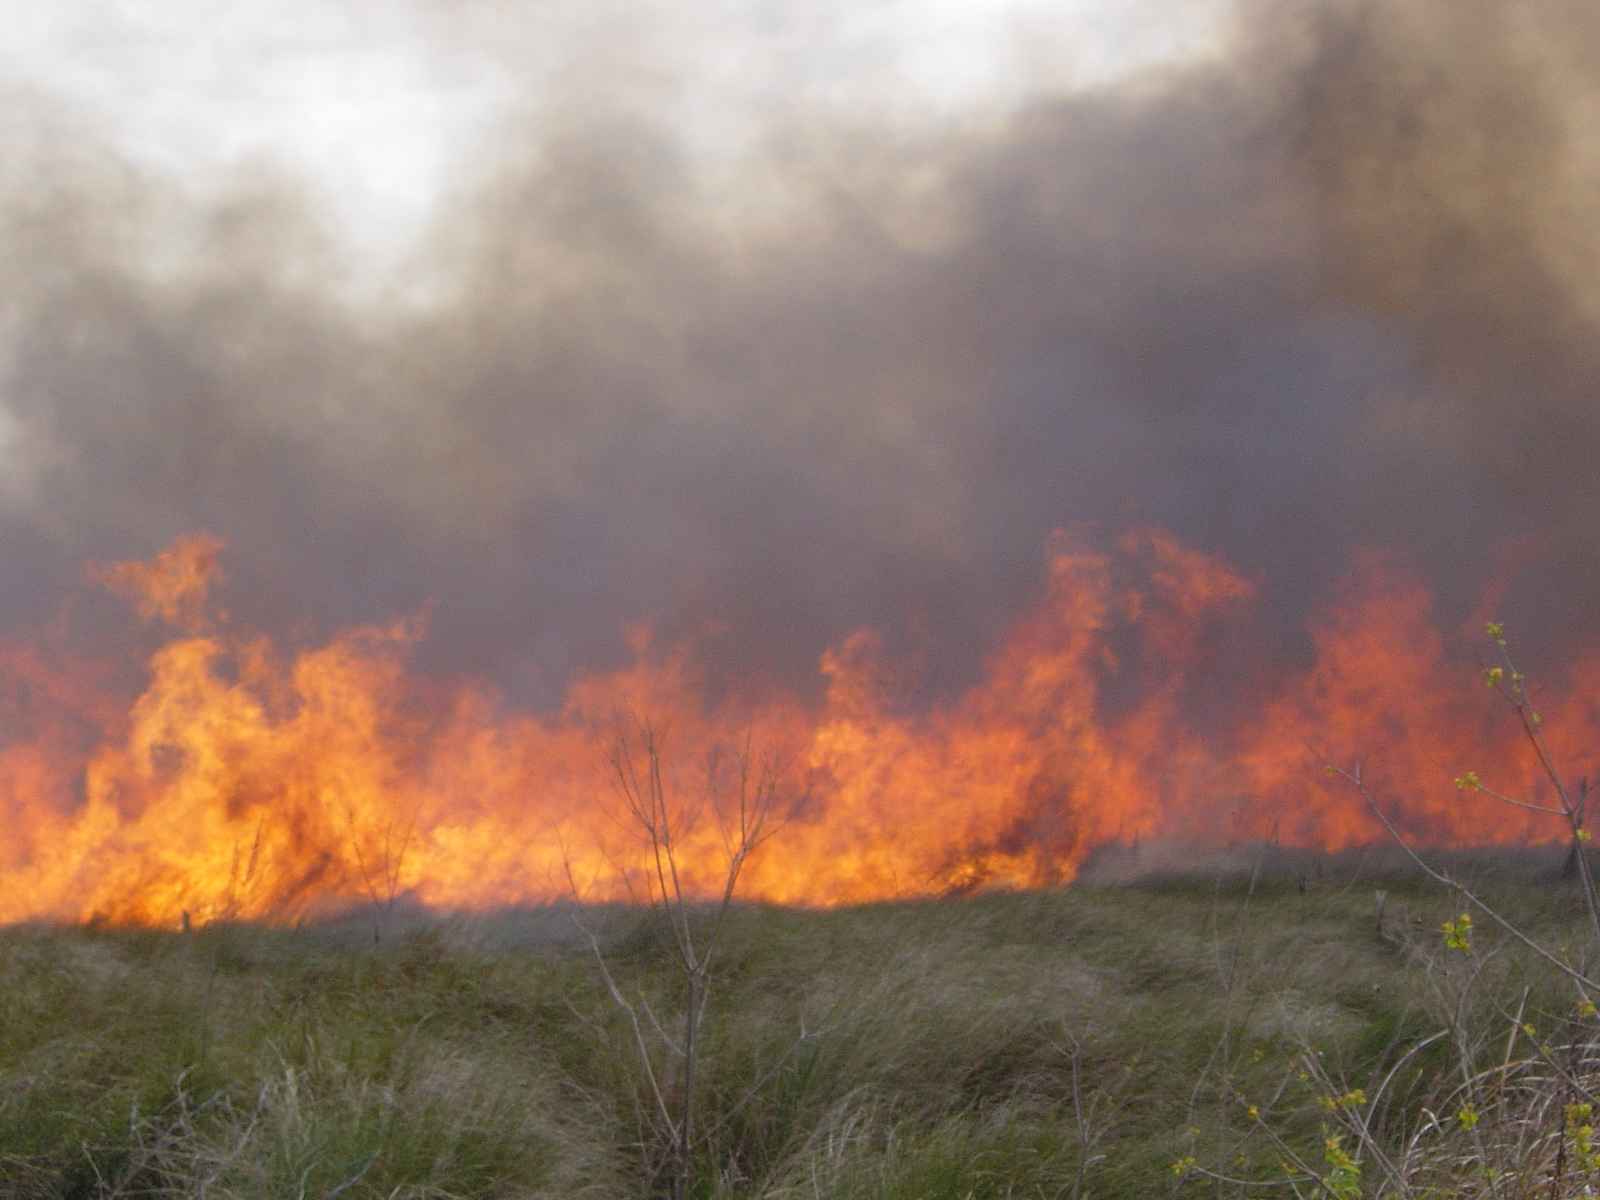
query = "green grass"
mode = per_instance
[{"x": 1031, "y": 1045}]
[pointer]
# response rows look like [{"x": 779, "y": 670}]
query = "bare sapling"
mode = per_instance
[
  {"x": 1554, "y": 1068},
  {"x": 1516, "y": 1115},
  {"x": 1569, "y": 807},
  {"x": 381, "y": 862},
  {"x": 741, "y": 795}
]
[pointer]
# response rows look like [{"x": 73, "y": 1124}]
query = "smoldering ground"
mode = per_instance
[{"x": 1330, "y": 288}]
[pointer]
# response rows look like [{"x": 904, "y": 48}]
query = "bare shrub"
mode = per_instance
[{"x": 742, "y": 795}]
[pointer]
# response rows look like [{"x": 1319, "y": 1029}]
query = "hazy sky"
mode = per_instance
[
  {"x": 764, "y": 322},
  {"x": 379, "y": 106}
]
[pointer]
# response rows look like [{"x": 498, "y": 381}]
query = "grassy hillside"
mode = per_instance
[{"x": 1073, "y": 1043}]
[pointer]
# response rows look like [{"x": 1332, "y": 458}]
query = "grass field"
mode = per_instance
[{"x": 1070, "y": 1043}]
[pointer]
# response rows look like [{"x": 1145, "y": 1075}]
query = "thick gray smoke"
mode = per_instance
[{"x": 1332, "y": 289}]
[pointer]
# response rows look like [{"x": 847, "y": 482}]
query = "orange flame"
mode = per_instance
[
  {"x": 174, "y": 587},
  {"x": 249, "y": 781}
]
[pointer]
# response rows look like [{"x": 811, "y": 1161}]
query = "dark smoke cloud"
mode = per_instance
[
  {"x": 1448, "y": 153},
  {"x": 1332, "y": 289}
]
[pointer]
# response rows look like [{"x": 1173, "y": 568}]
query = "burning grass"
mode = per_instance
[
  {"x": 1074, "y": 1042},
  {"x": 276, "y": 779}
]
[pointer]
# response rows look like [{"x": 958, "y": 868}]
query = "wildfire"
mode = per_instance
[{"x": 245, "y": 780}]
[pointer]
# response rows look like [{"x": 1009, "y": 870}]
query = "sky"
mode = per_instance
[
  {"x": 763, "y": 322},
  {"x": 377, "y": 107}
]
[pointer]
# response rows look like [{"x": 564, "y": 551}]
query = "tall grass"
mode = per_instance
[{"x": 1076, "y": 1043}]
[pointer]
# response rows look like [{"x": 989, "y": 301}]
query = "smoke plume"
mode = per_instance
[{"x": 1325, "y": 294}]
